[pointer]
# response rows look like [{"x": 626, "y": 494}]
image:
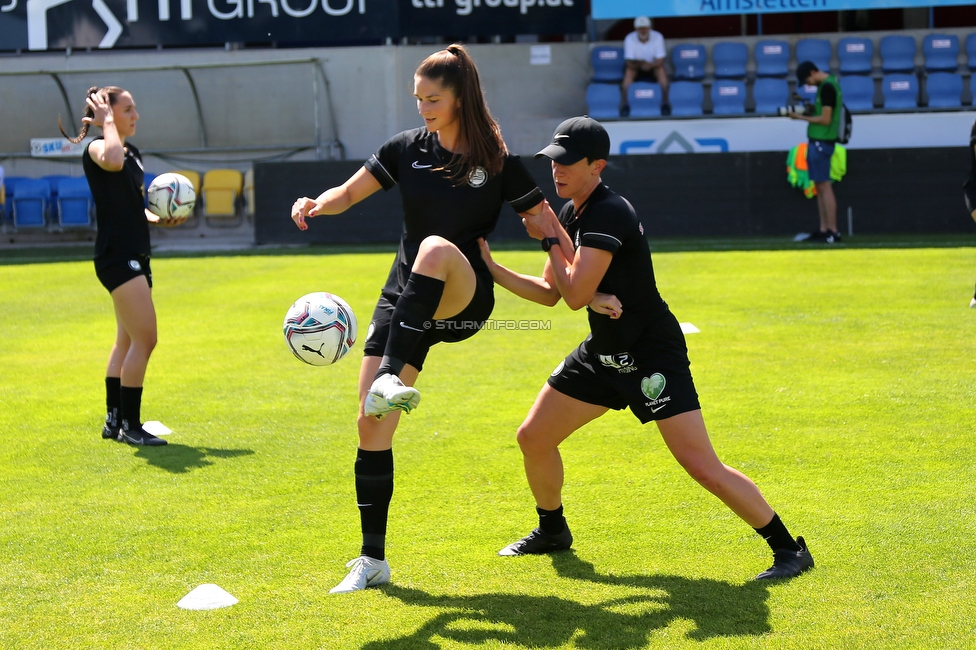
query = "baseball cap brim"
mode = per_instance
[{"x": 560, "y": 155}]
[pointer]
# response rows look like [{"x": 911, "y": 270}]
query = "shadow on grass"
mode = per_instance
[
  {"x": 180, "y": 459},
  {"x": 717, "y": 609}
]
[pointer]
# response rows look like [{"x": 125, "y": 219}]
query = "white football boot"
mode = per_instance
[
  {"x": 389, "y": 394},
  {"x": 366, "y": 572}
]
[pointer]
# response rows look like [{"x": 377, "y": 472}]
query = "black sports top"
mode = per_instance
[
  {"x": 123, "y": 232},
  {"x": 608, "y": 222},
  {"x": 434, "y": 204}
]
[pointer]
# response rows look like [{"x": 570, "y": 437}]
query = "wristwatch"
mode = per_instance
[{"x": 549, "y": 242}]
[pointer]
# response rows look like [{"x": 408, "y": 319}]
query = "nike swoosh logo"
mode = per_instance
[
  {"x": 416, "y": 165},
  {"x": 405, "y": 326},
  {"x": 363, "y": 505},
  {"x": 560, "y": 135},
  {"x": 655, "y": 410}
]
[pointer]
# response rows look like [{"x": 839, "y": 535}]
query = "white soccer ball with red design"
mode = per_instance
[
  {"x": 320, "y": 328},
  {"x": 171, "y": 196}
]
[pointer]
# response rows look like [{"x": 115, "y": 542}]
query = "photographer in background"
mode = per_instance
[{"x": 824, "y": 122}]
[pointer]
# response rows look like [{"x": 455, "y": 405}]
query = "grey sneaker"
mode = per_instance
[
  {"x": 366, "y": 572},
  {"x": 389, "y": 394}
]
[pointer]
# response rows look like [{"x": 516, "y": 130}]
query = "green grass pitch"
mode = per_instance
[{"x": 843, "y": 381}]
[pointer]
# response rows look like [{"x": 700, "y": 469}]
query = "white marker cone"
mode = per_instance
[
  {"x": 207, "y": 597},
  {"x": 156, "y": 428}
]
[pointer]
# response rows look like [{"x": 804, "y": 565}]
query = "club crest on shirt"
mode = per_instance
[
  {"x": 370, "y": 330},
  {"x": 477, "y": 176},
  {"x": 622, "y": 362}
]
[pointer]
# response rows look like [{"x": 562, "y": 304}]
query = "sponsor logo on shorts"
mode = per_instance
[
  {"x": 622, "y": 362},
  {"x": 416, "y": 165},
  {"x": 135, "y": 265},
  {"x": 559, "y": 369},
  {"x": 477, "y": 176},
  {"x": 652, "y": 387}
]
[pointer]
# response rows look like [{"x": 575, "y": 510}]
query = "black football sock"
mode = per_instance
[
  {"x": 412, "y": 318},
  {"x": 113, "y": 398},
  {"x": 777, "y": 536},
  {"x": 551, "y": 522},
  {"x": 374, "y": 491},
  {"x": 130, "y": 405}
]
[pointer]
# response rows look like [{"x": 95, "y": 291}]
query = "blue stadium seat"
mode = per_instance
[
  {"x": 644, "y": 98},
  {"x": 608, "y": 64},
  {"x": 944, "y": 90},
  {"x": 769, "y": 94},
  {"x": 772, "y": 58},
  {"x": 900, "y": 91},
  {"x": 688, "y": 62},
  {"x": 855, "y": 55},
  {"x": 53, "y": 180},
  {"x": 603, "y": 100},
  {"x": 816, "y": 50},
  {"x": 897, "y": 53},
  {"x": 971, "y": 50},
  {"x": 30, "y": 202},
  {"x": 941, "y": 52},
  {"x": 730, "y": 60},
  {"x": 686, "y": 97},
  {"x": 728, "y": 97},
  {"x": 75, "y": 202},
  {"x": 857, "y": 92}
]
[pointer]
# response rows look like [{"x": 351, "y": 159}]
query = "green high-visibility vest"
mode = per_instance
[{"x": 826, "y": 132}]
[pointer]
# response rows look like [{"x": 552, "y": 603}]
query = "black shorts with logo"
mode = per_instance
[
  {"x": 655, "y": 385},
  {"x": 450, "y": 330},
  {"x": 116, "y": 274}
]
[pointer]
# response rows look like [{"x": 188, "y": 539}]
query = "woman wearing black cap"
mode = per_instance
[
  {"x": 635, "y": 355},
  {"x": 455, "y": 174}
]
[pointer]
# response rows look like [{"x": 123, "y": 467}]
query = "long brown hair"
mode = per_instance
[
  {"x": 113, "y": 94},
  {"x": 455, "y": 69}
]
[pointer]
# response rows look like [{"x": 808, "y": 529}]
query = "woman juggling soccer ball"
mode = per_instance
[
  {"x": 455, "y": 174},
  {"x": 115, "y": 175}
]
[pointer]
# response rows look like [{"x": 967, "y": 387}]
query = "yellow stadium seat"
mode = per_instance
[{"x": 221, "y": 191}]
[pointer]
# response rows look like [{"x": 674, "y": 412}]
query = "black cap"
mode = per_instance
[
  {"x": 804, "y": 69},
  {"x": 578, "y": 138}
]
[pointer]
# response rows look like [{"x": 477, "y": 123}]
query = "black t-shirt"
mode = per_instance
[
  {"x": 608, "y": 222},
  {"x": 433, "y": 204},
  {"x": 123, "y": 232},
  {"x": 828, "y": 96}
]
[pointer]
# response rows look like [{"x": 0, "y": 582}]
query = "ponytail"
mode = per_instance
[{"x": 113, "y": 93}]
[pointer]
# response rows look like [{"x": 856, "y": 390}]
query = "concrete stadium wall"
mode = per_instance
[
  {"x": 273, "y": 107},
  {"x": 676, "y": 195}
]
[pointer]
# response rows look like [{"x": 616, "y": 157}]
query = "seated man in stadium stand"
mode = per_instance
[
  {"x": 823, "y": 125},
  {"x": 644, "y": 53}
]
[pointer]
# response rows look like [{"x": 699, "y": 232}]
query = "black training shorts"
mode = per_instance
[
  {"x": 450, "y": 330},
  {"x": 654, "y": 385},
  {"x": 116, "y": 274}
]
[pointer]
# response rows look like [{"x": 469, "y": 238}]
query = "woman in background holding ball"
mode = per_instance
[{"x": 115, "y": 175}]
